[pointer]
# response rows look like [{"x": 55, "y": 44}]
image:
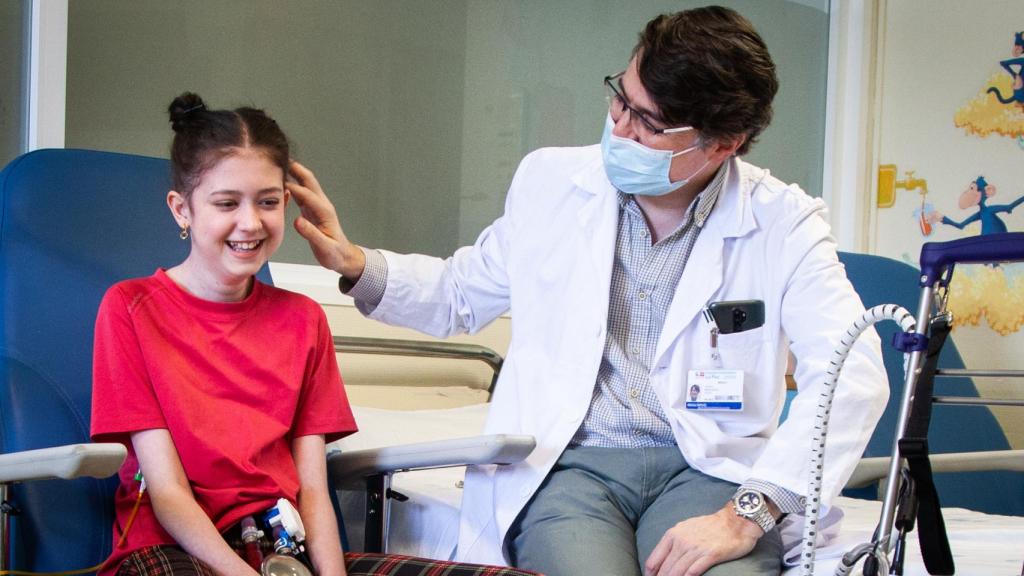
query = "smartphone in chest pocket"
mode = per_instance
[{"x": 733, "y": 316}]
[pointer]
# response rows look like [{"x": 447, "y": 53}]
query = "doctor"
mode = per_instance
[{"x": 607, "y": 257}]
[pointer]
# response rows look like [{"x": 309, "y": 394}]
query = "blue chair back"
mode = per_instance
[
  {"x": 72, "y": 223},
  {"x": 881, "y": 280}
]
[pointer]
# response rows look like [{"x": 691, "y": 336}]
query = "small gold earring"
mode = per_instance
[{"x": 184, "y": 233}]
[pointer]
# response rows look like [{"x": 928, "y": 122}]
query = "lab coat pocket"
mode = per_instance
[{"x": 741, "y": 350}]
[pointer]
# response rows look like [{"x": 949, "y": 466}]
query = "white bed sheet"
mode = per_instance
[
  {"x": 982, "y": 544},
  {"x": 427, "y": 525}
]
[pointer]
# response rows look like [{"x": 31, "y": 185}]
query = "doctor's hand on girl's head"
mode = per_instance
[{"x": 318, "y": 224}]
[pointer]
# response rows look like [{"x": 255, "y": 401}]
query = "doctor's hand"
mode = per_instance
[
  {"x": 318, "y": 224},
  {"x": 693, "y": 546}
]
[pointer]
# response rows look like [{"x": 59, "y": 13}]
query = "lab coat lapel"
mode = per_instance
[
  {"x": 704, "y": 274},
  {"x": 598, "y": 222},
  {"x": 701, "y": 278}
]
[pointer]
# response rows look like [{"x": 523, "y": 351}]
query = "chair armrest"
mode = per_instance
[
  {"x": 870, "y": 469},
  {"x": 349, "y": 468},
  {"x": 65, "y": 462}
]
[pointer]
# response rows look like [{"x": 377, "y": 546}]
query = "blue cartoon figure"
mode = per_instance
[
  {"x": 1013, "y": 66},
  {"x": 977, "y": 195}
]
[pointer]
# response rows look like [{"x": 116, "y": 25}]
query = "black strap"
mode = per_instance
[
  {"x": 931, "y": 530},
  {"x": 921, "y": 409}
]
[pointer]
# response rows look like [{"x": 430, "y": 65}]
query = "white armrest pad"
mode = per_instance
[
  {"x": 66, "y": 462},
  {"x": 349, "y": 467},
  {"x": 870, "y": 469}
]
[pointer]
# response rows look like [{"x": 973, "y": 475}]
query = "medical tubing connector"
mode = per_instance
[
  {"x": 251, "y": 542},
  {"x": 871, "y": 317}
]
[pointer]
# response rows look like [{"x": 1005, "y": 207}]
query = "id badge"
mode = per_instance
[{"x": 718, "y": 389}]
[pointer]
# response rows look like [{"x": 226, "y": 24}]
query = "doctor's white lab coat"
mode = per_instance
[{"x": 548, "y": 259}]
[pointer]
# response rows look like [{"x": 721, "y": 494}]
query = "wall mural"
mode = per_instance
[
  {"x": 990, "y": 294},
  {"x": 999, "y": 106}
]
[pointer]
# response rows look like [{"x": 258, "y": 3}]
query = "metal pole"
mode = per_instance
[{"x": 884, "y": 529}]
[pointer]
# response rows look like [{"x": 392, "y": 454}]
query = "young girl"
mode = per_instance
[{"x": 224, "y": 389}]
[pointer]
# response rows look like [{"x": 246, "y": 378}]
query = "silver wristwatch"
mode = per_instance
[{"x": 752, "y": 505}]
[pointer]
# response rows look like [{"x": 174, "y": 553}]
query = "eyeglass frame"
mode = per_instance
[{"x": 619, "y": 93}]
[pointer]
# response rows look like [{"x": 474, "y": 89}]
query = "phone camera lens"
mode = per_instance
[{"x": 739, "y": 316}]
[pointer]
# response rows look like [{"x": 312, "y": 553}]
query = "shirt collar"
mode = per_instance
[{"x": 700, "y": 209}]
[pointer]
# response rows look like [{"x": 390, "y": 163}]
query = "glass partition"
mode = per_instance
[
  {"x": 13, "y": 42},
  {"x": 414, "y": 115}
]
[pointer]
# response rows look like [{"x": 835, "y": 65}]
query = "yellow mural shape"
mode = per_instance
[
  {"x": 992, "y": 292},
  {"x": 984, "y": 114}
]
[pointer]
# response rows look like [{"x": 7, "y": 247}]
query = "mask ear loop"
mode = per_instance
[
  {"x": 701, "y": 169},
  {"x": 686, "y": 151}
]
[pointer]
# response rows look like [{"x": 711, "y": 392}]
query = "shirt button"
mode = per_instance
[
  {"x": 642, "y": 295},
  {"x": 636, "y": 350},
  {"x": 634, "y": 393}
]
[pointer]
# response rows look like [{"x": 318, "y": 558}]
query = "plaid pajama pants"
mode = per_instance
[{"x": 173, "y": 561}]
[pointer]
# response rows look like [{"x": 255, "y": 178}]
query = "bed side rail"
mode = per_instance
[{"x": 423, "y": 349}]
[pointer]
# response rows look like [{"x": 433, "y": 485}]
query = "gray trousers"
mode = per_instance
[{"x": 603, "y": 510}]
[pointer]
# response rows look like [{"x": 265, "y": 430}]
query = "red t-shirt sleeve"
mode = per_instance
[
  {"x": 323, "y": 405},
  {"x": 123, "y": 400}
]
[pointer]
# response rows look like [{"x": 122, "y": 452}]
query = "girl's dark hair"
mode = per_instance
[
  {"x": 202, "y": 137},
  {"x": 710, "y": 69}
]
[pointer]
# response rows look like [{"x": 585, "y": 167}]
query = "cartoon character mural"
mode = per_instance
[
  {"x": 979, "y": 293},
  {"x": 993, "y": 294},
  {"x": 1013, "y": 67},
  {"x": 977, "y": 195},
  {"x": 998, "y": 108}
]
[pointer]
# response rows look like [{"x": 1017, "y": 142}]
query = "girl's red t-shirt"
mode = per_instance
[{"x": 233, "y": 383}]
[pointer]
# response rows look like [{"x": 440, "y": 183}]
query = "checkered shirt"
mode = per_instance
[{"x": 624, "y": 410}]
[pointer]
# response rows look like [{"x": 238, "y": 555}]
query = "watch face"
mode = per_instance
[{"x": 748, "y": 501}]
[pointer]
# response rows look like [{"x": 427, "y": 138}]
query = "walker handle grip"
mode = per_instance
[{"x": 938, "y": 257}]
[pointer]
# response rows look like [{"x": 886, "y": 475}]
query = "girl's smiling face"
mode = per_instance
[{"x": 235, "y": 216}]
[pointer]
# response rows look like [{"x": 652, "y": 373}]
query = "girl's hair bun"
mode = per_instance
[
  {"x": 183, "y": 109},
  {"x": 204, "y": 136}
]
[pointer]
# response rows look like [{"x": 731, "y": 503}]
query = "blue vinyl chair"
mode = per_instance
[
  {"x": 881, "y": 280},
  {"x": 72, "y": 223}
]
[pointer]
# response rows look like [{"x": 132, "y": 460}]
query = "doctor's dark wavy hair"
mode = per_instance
[
  {"x": 710, "y": 69},
  {"x": 203, "y": 137}
]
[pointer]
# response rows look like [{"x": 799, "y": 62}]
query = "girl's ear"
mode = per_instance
[{"x": 179, "y": 208}]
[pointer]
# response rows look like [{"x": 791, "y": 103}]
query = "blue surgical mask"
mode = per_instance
[{"x": 636, "y": 169}]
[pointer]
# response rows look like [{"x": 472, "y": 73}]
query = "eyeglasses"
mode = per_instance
[{"x": 618, "y": 104}]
